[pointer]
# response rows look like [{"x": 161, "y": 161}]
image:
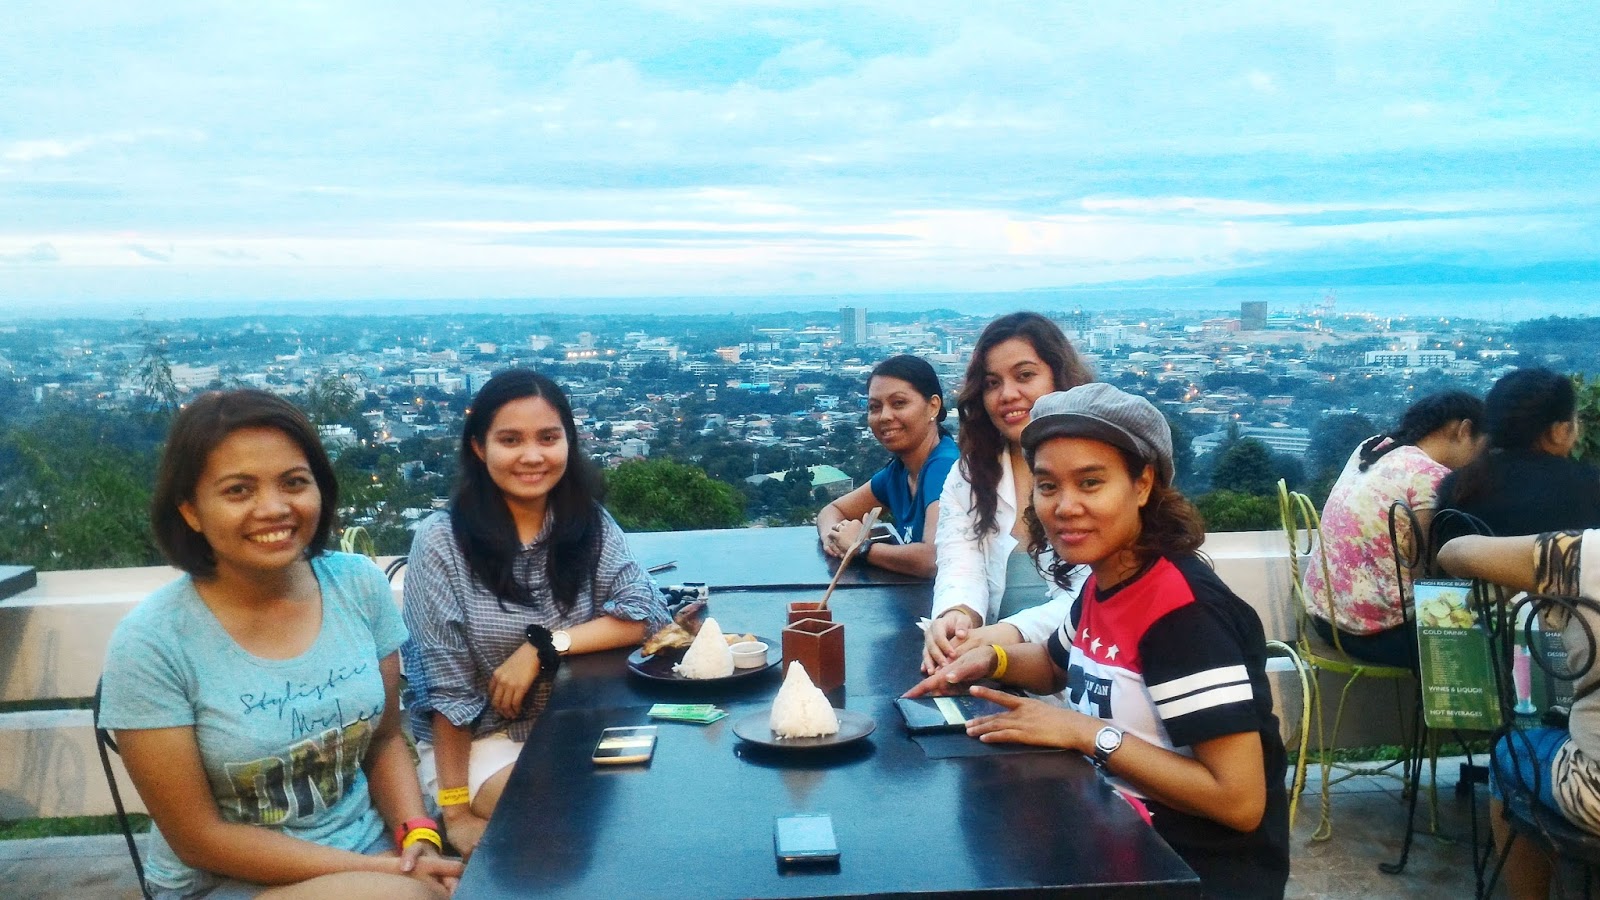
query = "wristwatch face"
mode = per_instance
[
  {"x": 1107, "y": 740},
  {"x": 561, "y": 640}
]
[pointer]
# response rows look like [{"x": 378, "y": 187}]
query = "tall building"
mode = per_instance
[
  {"x": 852, "y": 325},
  {"x": 1253, "y": 315}
]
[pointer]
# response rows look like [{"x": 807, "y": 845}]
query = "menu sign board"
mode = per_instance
[{"x": 1457, "y": 678}]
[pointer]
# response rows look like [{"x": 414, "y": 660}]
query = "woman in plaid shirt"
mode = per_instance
[{"x": 525, "y": 567}]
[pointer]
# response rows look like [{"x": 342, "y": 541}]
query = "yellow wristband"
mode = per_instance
[
  {"x": 454, "y": 796},
  {"x": 422, "y": 834},
  {"x": 1001, "y": 661}
]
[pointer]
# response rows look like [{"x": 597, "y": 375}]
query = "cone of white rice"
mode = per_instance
[
  {"x": 801, "y": 709},
  {"x": 708, "y": 656}
]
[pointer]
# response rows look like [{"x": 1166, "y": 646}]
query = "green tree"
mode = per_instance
[
  {"x": 76, "y": 496},
  {"x": 1235, "y": 511},
  {"x": 1334, "y": 438},
  {"x": 155, "y": 375},
  {"x": 660, "y": 495},
  {"x": 1182, "y": 449},
  {"x": 1245, "y": 467},
  {"x": 1588, "y": 448},
  {"x": 332, "y": 401},
  {"x": 1289, "y": 468}
]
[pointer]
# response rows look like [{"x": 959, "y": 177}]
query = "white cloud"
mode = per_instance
[
  {"x": 27, "y": 151},
  {"x": 1044, "y": 140}
]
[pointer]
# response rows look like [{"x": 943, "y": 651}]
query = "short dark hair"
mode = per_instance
[
  {"x": 195, "y": 433},
  {"x": 917, "y": 372}
]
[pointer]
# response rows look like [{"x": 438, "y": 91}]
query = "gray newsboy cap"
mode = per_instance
[{"x": 1103, "y": 413}]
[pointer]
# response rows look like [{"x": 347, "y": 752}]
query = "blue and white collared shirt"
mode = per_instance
[{"x": 461, "y": 632}]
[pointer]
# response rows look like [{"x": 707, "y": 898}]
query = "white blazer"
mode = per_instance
[{"x": 972, "y": 570}]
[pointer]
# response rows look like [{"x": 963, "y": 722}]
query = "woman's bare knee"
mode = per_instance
[{"x": 489, "y": 793}]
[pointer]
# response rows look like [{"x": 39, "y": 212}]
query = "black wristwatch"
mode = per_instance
[
  {"x": 863, "y": 550},
  {"x": 544, "y": 642}
]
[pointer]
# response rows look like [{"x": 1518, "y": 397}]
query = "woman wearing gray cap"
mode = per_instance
[{"x": 1164, "y": 666}]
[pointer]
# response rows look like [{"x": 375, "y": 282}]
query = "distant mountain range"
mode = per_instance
[{"x": 1417, "y": 273}]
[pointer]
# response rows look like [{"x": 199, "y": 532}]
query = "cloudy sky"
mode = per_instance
[{"x": 200, "y": 151}]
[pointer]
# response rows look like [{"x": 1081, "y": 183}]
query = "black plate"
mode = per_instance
[
  {"x": 659, "y": 666},
  {"x": 853, "y": 726}
]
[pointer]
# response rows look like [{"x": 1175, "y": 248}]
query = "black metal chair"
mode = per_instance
[
  {"x": 107, "y": 745},
  {"x": 1574, "y": 851},
  {"x": 1414, "y": 558}
]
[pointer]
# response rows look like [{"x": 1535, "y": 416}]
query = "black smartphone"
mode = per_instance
[
  {"x": 623, "y": 746},
  {"x": 805, "y": 839},
  {"x": 934, "y": 714}
]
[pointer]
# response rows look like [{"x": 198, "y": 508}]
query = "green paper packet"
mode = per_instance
[
  {"x": 681, "y": 709},
  {"x": 695, "y": 713}
]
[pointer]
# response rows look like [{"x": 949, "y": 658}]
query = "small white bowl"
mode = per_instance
[{"x": 749, "y": 654}]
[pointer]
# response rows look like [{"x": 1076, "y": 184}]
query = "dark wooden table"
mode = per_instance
[
  {"x": 743, "y": 558},
  {"x": 698, "y": 820}
]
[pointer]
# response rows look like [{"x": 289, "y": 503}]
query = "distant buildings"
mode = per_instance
[
  {"x": 194, "y": 378},
  {"x": 833, "y": 482},
  {"x": 1253, "y": 315},
  {"x": 1293, "y": 441},
  {"x": 852, "y": 325},
  {"x": 1410, "y": 359}
]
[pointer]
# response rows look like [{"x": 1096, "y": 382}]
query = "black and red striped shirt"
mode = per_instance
[{"x": 1176, "y": 658}]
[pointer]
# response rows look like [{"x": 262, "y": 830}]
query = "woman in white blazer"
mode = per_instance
[{"x": 987, "y": 589}]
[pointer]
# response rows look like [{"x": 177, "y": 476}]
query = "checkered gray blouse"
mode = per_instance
[{"x": 460, "y": 634}]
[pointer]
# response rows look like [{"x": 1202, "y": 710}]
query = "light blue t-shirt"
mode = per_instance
[
  {"x": 282, "y": 741},
  {"x": 892, "y": 487}
]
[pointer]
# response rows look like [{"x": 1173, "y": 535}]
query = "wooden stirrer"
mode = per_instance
[{"x": 864, "y": 535}]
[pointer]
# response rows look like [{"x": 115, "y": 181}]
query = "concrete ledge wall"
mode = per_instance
[
  {"x": 53, "y": 639},
  {"x": 51, "y": 768},
  {"x": 1256, "y": 565}
]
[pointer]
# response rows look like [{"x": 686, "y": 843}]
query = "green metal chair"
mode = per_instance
[
  {"x": 1301, "y": 670},
  {"x": 1302, "y": 528}
]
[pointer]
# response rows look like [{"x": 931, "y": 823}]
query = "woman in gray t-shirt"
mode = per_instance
[{"x": 256, "y": 698}]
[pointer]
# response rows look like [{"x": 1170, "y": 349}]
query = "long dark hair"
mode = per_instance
[
  {"x": 197, "y": 431},
  {"x": 1423, "y": 418},
  {"x": 917, "y": 372},
  {"x": 1518, "y": 411},
  {"x": 481, "y": 519},
  {"x": 981, "y": 442},
  {"x": 1169, "y": 525}
]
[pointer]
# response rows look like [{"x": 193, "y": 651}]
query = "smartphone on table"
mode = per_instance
[
  {"x": 626, "y": 745},
  {"x": 805, "y": 839},
  {"x": 926, "y": 715}
]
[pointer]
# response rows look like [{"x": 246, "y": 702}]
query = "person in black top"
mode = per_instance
[
  {"x": 1524, "y": 480},
  {"x": 1164, "y": 666}
]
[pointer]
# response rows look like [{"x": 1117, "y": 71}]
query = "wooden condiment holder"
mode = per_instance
[{"x": 817, "y": 644}]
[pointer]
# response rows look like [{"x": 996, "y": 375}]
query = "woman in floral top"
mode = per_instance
[{"x": 1438, "y": 433}]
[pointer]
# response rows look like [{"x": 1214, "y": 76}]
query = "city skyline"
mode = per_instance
[{"x": 186, "y": 153}]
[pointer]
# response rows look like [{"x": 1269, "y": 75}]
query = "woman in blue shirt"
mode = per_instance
[
  {"x": 905, "y": 406},
  {"x": 256, "y": 698}
]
